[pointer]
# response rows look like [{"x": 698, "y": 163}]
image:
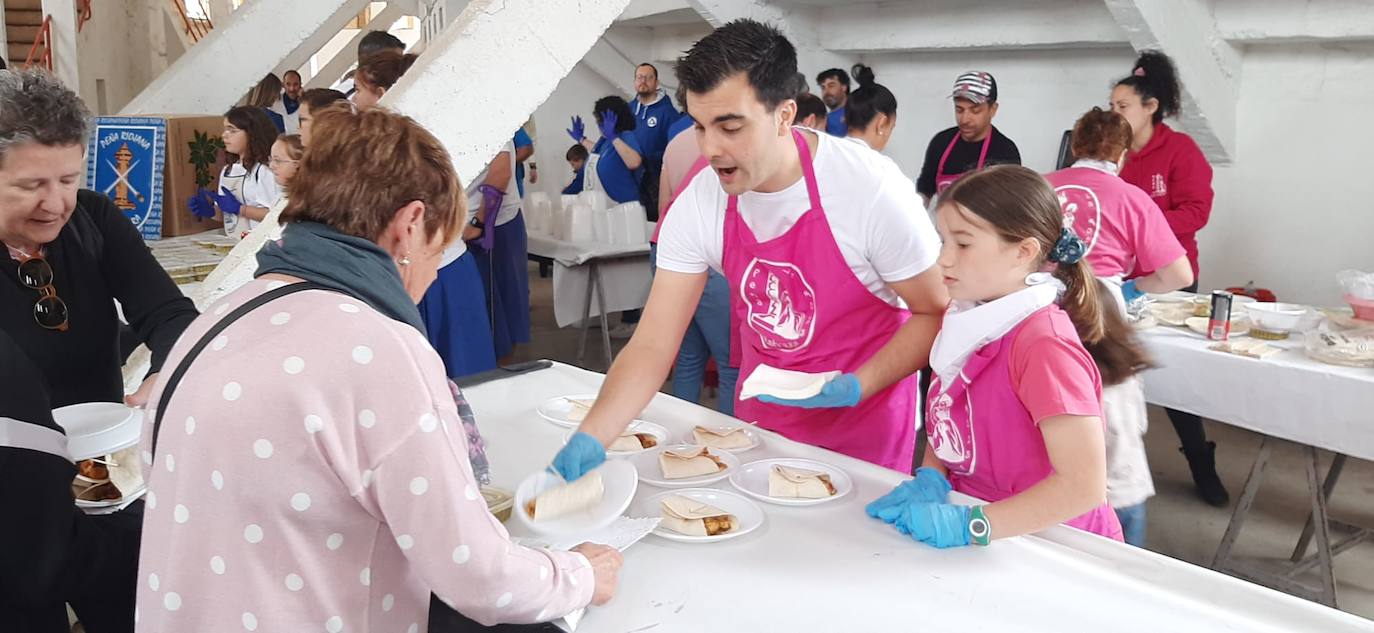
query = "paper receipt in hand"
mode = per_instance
[
  {"x": 694, "y": 518},
  {"x": 784, "y": 383},
  {"x": 785, "y": 482},
  {"x": 574, "y": 497},
  {"x": 691, "y": 462}
]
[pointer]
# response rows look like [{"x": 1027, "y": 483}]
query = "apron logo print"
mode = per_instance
[
  {"x": 1082, "y": 212},
  {"x": 780, "y": 303},
  {"x": 1158, "y": 190},
  {"x": 952, "y": 440}
]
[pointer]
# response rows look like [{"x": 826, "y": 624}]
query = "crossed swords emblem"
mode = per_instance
[{"x": 122, "y": 177}]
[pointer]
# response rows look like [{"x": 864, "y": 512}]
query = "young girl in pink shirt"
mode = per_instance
[{"x": 1015, "y": 406}]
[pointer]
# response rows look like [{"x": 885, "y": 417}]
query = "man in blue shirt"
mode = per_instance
[
  {"x": 834, "y": 85},
  {"x": 654, "y": 115},
  {"x": 524, "y": 149}
]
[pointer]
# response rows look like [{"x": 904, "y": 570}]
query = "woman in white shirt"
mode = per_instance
[{"x": 247, "y": 188}]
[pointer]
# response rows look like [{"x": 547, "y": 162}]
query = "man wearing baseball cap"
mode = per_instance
[{"x": 971, "y": 144}]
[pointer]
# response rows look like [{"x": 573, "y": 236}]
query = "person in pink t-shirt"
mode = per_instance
[
  {"x": 1123, "y": 231},
  {"x": 1015, "y": 406}
]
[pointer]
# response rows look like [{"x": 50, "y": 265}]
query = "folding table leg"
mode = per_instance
[
  {"x": 1322, "y": 528},
  {"x": 587, "y": 316},
  {"x": 601, "y": 305},
  {"x": 1332, "y": 476},
  {"x": 1247, "y": 499}
]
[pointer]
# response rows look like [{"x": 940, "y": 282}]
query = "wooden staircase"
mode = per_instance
[{"x": 23, "y": 19}]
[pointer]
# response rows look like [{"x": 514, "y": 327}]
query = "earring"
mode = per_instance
[{"x": 405, "y": 260}]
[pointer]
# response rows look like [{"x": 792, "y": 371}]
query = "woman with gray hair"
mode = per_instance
[{"x": 70, "y": 255}]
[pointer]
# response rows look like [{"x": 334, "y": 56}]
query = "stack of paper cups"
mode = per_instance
[
  {"x": 566, "y": 201},
  {"x": 601, "y": 225},
  {"x": 597, "y": 200},
  {"x": 559, "y": 225},
  {"x": 581, "y": 224},
  {"x": 538, "y": 210}
]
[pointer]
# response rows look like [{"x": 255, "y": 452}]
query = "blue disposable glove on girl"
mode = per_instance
[
  {"x": 578, "y": 131},
  {"x": 935, "y": 524},
  {"x": 928, "y": 486},
  {"x": 608, "y": 125},
  {"x": 227, "y": 202}
]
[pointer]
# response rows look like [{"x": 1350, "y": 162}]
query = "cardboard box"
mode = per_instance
[{"x": 185, "y": 132}]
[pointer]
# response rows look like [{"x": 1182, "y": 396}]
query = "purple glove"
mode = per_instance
[
  {"x": 608, "y": 121},
  {"x": 578, "y": 131},
  {"x": 227, "y": 202},
  {"x": 491, "y": 203},
  {"x": 202, "y": 204}
]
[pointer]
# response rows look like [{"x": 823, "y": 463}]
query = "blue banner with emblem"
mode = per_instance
[{"x": 125, "y": 161}]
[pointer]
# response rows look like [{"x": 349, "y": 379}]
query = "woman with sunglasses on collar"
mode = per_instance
[{"x": 70, "y": 253}]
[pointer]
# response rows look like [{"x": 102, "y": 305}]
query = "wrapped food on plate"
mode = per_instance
[
  {"x": 695, "y": 518},
  {"x": 580, "y": 408},
  {"x": 628, "y": 442},
  {"x": 689, "y": 462},
  {"x": 108, "y": 478},
  {"x": 722, "y": 437},
  {"x": 562, "y": 500},
  {"x": 785, "y": 482}
]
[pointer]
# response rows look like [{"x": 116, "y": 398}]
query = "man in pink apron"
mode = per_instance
[
  {"x": 827, "y": 251},
  {"x": 973, "y": 143}
]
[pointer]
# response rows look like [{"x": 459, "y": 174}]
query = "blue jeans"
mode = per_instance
[
  {"x": 708, "y": 335},
  {"x": 1133, "y": 523}
]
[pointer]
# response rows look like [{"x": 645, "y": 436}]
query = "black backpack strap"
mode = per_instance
[{"x": 229, "y": 319}]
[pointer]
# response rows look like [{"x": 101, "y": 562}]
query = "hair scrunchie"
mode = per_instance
[{"x": 1069, "y": 249}]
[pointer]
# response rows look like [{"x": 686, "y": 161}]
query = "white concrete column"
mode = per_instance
[
  {"x": 64, "y": 57},
  {"x": 492, "y": 67},
  {"x": 348, "y": 55},
  {"x": 258, "y": 38},
  {"x": 1208, "y": 66}
]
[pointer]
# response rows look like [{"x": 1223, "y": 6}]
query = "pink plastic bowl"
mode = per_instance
[{"x": 1364, "y": 308}]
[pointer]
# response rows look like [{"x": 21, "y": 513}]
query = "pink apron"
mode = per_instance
[
  {"x": 795, "y": 304},
  {"x": 943, "y": 180},
  {"x": 1000, "y": 452}
]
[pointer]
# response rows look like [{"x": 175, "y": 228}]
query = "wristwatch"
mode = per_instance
[
  {"x": 477, "y": 223},
  {"x": 979, "y": 529}
]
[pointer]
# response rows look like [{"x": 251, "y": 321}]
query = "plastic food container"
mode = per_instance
[
  {"x": 99, "y": 428},
  {"x": 1275, "y": 318},
  {"x": 499, "y": 502},
  {"x": 1364, "y": 308}
]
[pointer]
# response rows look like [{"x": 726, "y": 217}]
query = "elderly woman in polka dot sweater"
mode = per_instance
[{"x": 309, "y": 470}]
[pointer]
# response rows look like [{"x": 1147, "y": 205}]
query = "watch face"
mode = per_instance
[{"x": 978, "y": 528}]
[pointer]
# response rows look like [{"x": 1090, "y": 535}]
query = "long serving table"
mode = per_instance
[
  {"x": 618, "y": 275},
  {"x": 1288, "y": 397},
  {"x": 832, "y": 568}
]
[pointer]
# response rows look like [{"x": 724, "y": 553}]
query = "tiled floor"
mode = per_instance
[{"x": 1180, "y": 525}]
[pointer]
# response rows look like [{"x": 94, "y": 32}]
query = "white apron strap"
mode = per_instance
[{"x": 16, "y": 434}]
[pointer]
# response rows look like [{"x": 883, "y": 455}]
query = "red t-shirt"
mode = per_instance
[{"x": 1174, "y": 172}]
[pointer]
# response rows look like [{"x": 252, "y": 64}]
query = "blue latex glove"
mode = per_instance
[
  {"x": 578, "y": 131},
  {"x": 608, "y": 129},
  {"x": 491, "y": 203},
  {"x": 581, "y": 454},
  {"x": 935, "y": 524},
  {"x": 928, "y": 486},
  {"x": 227, "y": 202},
  {"x": 843, "y": 391},
  {"x": 1130, "y": 293},
  {"x": 202, "y": 204}
]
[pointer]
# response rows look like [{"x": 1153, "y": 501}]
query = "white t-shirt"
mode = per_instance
[
  {"x": 291, "y": 120},
  {"x": 510, "y": 205},
  {"x": 253, "y": 188},
  {"x": 873, "y": 210}
]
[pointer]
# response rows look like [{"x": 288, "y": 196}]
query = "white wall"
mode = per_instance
[
  {"x": 574, "y": 96},
  {"x": 1291, "y": 212}
]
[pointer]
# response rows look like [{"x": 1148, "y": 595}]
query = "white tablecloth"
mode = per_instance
[
  {"x": 831, "y": 568},
  {"x": 625, "y": 276},
  {"x": 1288, "y": 395}
]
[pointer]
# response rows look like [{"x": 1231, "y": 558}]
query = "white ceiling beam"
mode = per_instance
[
  {"x": 1209, "y": 67},
  {"x": 493, "y": 66},
  {"x": 640, "y": 9},
  {"x": 347, "y": 56},
  {"x": 252, "y": 41},
  {"x": 1279, "y": 21},
  {"x": 932, "y": 25},
  {"x": 799, "y": 24}
]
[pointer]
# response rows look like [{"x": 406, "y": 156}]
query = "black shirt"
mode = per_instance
[
  {"x": 99, "y": 257},
  {"x": 53, "y": 553},
  {"x": 964, "y": 157}
]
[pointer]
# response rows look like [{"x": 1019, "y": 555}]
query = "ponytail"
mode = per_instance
[
  {"x": 1109, "y": 339},
  {"x": 1154, "y": 77}
]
